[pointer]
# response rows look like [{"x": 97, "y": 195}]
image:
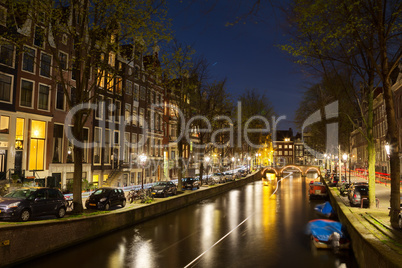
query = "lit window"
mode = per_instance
[
  {"x": 37, "y": 146},
  {"x": 19, "y": 134},
  {"x": 4, "y": 124}
]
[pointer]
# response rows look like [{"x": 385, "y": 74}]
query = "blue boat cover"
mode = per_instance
[
  {"x": 325, "y": 208},
  {"x": 322, "y": 229}
]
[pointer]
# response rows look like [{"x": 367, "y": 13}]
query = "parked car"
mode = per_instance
[
  {"x": 105, "y": 198},
  {"x": 229, "y": 176},
  {"x": 219, "y": 177},
  {"x": 191, "y": 183},
  {"x": 356, "y": 194},
  {"x": 164, "y": 188},
  {"x": 25, "y": 203}
]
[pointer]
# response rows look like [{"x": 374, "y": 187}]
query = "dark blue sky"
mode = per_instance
[{"x": 246, "y": 54}]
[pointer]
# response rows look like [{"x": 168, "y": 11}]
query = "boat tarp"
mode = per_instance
[
  {"x": 325, "y": 208},
  {"x": 322, "y": 229}
]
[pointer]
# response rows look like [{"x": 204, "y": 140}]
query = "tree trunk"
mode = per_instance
[
  {"x": 180, "y": 173},
  {"x": 201, "y": 170},
  {"x": 371, "y": 173},
  {"x": 394, "y": 157},
  {"x": 78, "y": 156}
]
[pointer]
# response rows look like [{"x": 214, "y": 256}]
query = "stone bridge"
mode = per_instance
[{"x": 279, "y": 170}]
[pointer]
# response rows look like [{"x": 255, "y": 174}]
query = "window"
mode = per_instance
[
  {"x": 26, "y": 93},
  {"x": 28, "y": 59},
  {"x": 136, "y": 92},
  {"x": 37, "y": 146},
  {"x": 127, "y": 113},
  {"x": 100, "y": 78},
  {"x": 4, "y": 124},
  {"x": 106, "y": 155},
  {"x": 117, "y": 112},
  {"x": 57, "y": 144},
  {"x": 60, "y": 97},
  {"x": 129, "y": 87},
  {"x": 97, "y": 145},
  {"x": 112, "y": 59},
  {"x": 142, "y": 93},
  {"x": 110, "y": 82},
  {"x": 285, "y": 146},
  {"x": 141, "y": 119},
  {"x": 73, "y": 96},
  {"x": 43, "y": 97},
  {"x": 134, "y": 142},
  {"x": 119, "y": 85},
  {"x": 39, "y": 36},
  {"x": 63, "y": 60},
  {"x": 140, "y": 143},
  {"x": 126, "y": 156},
  {"x": 116, "y": 137},
  {"x": 7, "y": 54},
  {"x": 109, "y": 109},
  {"x": 135, "y": 116},
  {"x": 5, "y": 87},
  {"x": 45, "y": 63},
  {"x": 19, "y": 134},
  {"x": 99, "y": 107}
]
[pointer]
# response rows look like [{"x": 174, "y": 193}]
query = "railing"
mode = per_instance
[{"x": 382, "y": 178}]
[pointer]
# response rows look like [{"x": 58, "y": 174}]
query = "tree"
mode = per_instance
[
  {"x": 332, "y": 31},
  {"x": 97, "y": 29}
]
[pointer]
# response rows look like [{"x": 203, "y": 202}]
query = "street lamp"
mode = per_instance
[
  {"x": 388, "y": 150},
  {"x": 143, "y": 159},
  {"x": 345, "y": 158}
]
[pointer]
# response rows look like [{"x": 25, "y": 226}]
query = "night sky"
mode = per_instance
[{"x": 246, "y": 53}]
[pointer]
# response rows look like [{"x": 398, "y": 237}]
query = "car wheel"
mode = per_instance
[
  {"x": 198, "y": 187},
  {"x": 61, "y": 213},
  {"x": 107, "y": 206},
  {"x": 123, "y": 204},
  {"x": 400, "y": 222},
  {"x": 25, "y": 215}
]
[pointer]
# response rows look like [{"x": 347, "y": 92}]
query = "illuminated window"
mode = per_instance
[
  {"x": 19, "y": 134},
  {"x": 112, "y": 59},
  {"x": 101, "y": 78},
  {"x": 110, "y": 82},
  {"x": 4, "y": 124},
  {"x": 142, "y": 114},
  {"x": 37, "y": 146},
  {"x": 119, "y": 85}
]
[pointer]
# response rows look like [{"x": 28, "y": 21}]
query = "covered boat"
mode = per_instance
[
  {"x": 328, "y": 234},
  {"x": 325, "y": 210}
]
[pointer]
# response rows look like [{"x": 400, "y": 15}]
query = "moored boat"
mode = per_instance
[
  {"x": 325, "y": 210},
  {"x": 328, "y": 234}
]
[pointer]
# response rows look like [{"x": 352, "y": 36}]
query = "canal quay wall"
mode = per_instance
[
  {"x": 368, "y": 249},
  {"x": 21, "y": 242}
]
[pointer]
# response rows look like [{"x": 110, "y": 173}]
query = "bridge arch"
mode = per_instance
[{"x": 279, "y": 170}]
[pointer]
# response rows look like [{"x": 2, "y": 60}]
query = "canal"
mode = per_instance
[{"x": 245, "y": 227}]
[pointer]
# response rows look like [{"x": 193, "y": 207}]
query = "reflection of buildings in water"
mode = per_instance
[{"x": 269, "y": 213}]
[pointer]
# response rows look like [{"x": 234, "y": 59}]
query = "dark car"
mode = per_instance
[
  {"x": 105, "y": 198},
  {"x": 356, "y": 194},
  {"x": 191, "y": 183},
  {"x": 24, "y": 203},
  {"x": 164, "y": 188}
]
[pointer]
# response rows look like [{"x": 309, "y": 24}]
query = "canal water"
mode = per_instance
[{"x": 251, "y": 226}]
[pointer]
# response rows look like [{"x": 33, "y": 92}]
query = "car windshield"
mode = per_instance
[
  {"x": 101, "y": 191},
  {"x": 217, "y": 174},
  {"x": 21, "y": 193},
  {"x": 161, "y": 183}
]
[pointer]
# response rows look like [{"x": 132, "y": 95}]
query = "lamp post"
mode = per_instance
[
  {"x": 143, "y": 159},
  {"x": 248, "y": 163},
  {"x": 388, "y": 150},
  {"x": 345, "y": 159},
  {"x": 233, "y": 160}
]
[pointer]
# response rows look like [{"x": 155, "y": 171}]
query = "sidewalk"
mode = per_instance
[{"x": 374, "y": 223}]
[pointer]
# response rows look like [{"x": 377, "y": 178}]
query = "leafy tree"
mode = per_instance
[
  {"x": 364, "y": 35},
  {"x": 97, "y": 28}
]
